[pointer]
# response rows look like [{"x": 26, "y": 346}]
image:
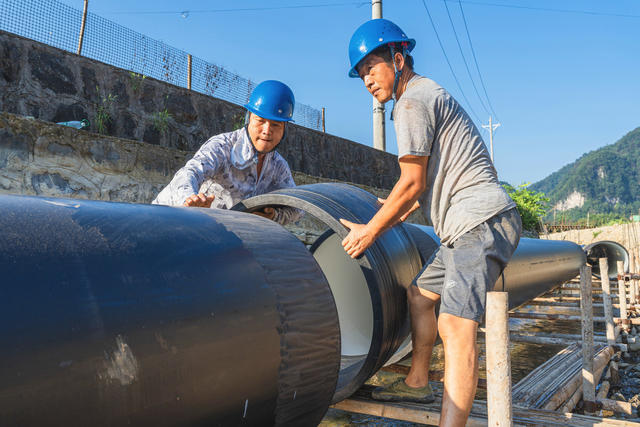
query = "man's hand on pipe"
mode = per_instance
[
  {"x": 360, "y": 237},
  {"x": 267, "y": 212},
  {"x": 199, "y": 200}
]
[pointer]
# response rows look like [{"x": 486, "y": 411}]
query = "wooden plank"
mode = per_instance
[
  {"x": 430, "y": 414},
  {"x": 550, "y": 316}
]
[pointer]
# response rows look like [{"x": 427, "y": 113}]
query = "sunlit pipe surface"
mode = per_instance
[
  {"x": 388, "y": 267},
  {"x": 536, "y": 266},
  {"x": 613, "y": 251},
  {"x": 120, "y": 314}
]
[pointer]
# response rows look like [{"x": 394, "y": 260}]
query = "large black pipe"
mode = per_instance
[
  {"x": 119, "y": 314},
  {"x": 388, "y": 267},
  {"x": 536, "y": 266}
]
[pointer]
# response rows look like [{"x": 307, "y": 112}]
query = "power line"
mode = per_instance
[
  {"x": 476, "y": 60},
  {"x": 464, "y": 59},
  {"x": 245, "y": 9},
  {"x": 449, "y": 62},
  {"x": 548, "y": 9}
]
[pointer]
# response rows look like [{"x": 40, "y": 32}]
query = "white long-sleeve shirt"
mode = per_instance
[{"x": 226, "y": 167}]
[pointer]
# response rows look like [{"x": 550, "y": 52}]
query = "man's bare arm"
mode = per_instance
[{"x": 412, "y": 183}]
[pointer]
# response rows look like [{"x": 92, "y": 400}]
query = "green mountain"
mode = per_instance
[{"x": 602, "y": 182}]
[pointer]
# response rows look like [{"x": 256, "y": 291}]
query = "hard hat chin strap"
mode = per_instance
[{"x": 398, "y": 72}]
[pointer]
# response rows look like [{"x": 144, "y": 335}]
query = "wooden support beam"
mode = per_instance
[
  {"x": 588, "y": 381},
  {"x": 499, "y": 405},
  {"x": 606, "y": 301},
  {"x": 552, "y": 340},
  {"x": 615, "y": 406},
  {"x": 622, "y": 294},
  {"x": 551, "y": 316}
]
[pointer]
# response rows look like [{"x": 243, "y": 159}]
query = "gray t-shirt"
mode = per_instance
[{"x": 462, "y": 184}]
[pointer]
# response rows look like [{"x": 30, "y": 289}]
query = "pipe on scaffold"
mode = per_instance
[{"x": 613, "y": 251}]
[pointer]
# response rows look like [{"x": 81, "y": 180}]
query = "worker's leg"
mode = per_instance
[
  {"x": 472, "y": 265},
  {"x": 422, "y": 306},
  {"x": 460, "y": 368},
  {"x": 422, "y": 303}
]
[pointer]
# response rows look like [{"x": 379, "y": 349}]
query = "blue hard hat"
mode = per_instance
[
  {"x": 370, "y": 36},
  {"x": 272, "y": 100}
]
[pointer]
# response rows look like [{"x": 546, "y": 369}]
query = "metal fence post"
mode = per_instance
[
  {"x": 84, "y": 22},
  {"x": 189, "y": 71},
  {"x": 323, "y": 130}
]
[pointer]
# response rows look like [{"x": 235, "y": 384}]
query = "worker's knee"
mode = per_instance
[
  {"x": 421, "y": 300},
  {"x": 457, "y": 329}
]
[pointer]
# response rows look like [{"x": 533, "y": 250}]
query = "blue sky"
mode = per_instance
[{"x": 561, "y": 83}]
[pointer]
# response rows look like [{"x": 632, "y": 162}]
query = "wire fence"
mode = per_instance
[{"x": 58, "y": 25}]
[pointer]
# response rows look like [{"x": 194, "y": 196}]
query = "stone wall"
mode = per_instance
[
  {"x": 42, "y": 158},
  {"x": 54, "y": 85}
]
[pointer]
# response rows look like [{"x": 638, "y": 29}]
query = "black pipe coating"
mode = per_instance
[
  {"x": 121, "y": 314},
  {"x": 389, "y": 266}
]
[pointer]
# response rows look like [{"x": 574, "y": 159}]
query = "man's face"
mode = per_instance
[
  {"x": 265, "y": 134},
  {"x": 378, "y": 77}
]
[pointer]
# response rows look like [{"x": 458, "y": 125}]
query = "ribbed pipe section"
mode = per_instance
[{"x": 388, "y": 266}]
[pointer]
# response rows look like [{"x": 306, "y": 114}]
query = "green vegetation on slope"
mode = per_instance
[
  {"x": 532, "y": 205},
  {"x": 607, "y": 178}
]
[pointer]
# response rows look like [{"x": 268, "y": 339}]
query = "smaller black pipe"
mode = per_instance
[{"x": 611, "y": 250}]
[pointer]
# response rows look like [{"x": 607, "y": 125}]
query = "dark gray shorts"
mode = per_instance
[{"x": 463, "y": 272}]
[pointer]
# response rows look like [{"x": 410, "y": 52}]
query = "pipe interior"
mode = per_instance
[
  {"x": 613, "y": 251},
  {"x": 351, "y": 295}
]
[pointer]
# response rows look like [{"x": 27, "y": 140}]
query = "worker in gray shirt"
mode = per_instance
[
  {"x": 233, "y": 166},
  {"x": 445, "y": 169}
]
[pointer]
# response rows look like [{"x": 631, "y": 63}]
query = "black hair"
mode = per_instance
[{"x": 385, "y": 53}]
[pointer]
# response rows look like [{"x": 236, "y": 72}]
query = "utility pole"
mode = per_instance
[
  {"x": 491, "y": 126},
  {"x": 378, "y": 108}
]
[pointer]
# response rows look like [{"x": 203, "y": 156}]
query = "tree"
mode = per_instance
[{"x": 532, "y": 205}]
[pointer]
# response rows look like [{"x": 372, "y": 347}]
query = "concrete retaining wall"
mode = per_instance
[{"x": 54, "y": 85}]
